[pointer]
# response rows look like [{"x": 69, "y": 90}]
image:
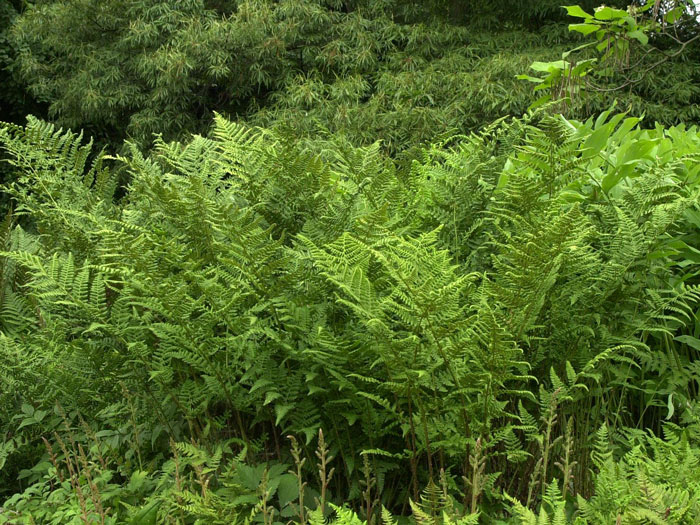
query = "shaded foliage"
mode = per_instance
[{"x": 404, "y": 72}]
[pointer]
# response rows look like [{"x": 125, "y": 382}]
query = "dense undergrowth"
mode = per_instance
[{"x": 255, "y": 330}]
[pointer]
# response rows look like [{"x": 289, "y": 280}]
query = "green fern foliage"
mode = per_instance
[{"x": 465, "y": 319}]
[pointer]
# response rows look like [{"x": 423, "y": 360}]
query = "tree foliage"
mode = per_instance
[
  {"x": 625, "y": 48},
  {"x": 403, "y": 71}
]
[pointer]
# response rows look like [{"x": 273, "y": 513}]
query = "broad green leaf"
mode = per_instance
[
  {"x": 577, "y": 11},
  {"x": 571, "y": 196},
  {"x": 609, "y": 13},
  {"x": 611, "y": 180},
  {"x": 614, "y": 121},
  {"x": 249, "y": 476},
  {"x": 582, "y": 68},
  {"x": 246, "y": 499},
  {"x": 27, "y": 423},
  {"x": 576, "y": 49},
  {"x": 584, "y": 29},
  {"x": 639, "y": 36},
  {"x": 287, "y": 490},
  {"x": 596, "y": 141},
  {"x": 148, "y": 514},
  {"x": 603, "y": 117},
  {"x": 674, "y": 15},
  {"x": 638, "y": 150},
  {"x": 529, "y": 78},
  {"x": 546, "y": 84},
  {"x": 689, "y": 340},
  {"x": 626, "y": 127},
  {"x": 548, "y": 67}
]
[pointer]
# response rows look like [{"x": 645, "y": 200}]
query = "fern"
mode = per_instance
[{"x": 472, "y": 315}]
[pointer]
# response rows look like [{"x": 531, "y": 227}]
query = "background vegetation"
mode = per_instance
[
  {"x": 404, "y": 71},
  {"x": 372, "y": 286}
]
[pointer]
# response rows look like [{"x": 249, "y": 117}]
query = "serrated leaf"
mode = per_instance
[
  {"x": 270, "y": 397},
  {"x": 570, "y": 372},
  {"x": 287, "y": 490},
  {"x": 281, "y": 411},
  {"x": 259, "y": 384}
]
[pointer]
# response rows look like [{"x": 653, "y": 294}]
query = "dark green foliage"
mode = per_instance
[
  {"x": 11, "y": 103},
  {"x": 163, "y": 67},
  {"x": 403, "y": 72},
  {"x": 15, "y": 102}
]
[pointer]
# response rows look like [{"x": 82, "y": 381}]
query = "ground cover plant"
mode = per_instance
[{"x": 507, "y": 323}]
